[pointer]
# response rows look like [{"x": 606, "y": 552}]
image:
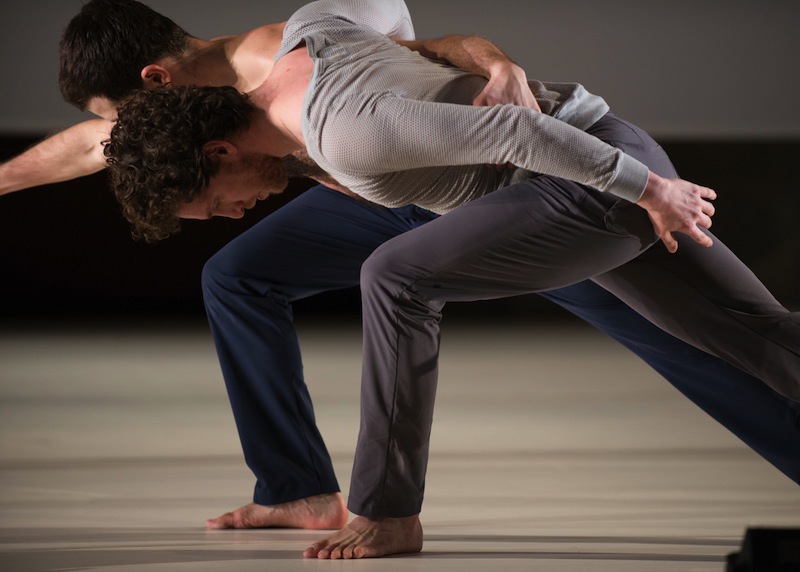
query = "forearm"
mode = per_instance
[
  {"x": 507, "y": 83},
  {"x": 72, "y": 153},
  {"x": 470, "y": 53}
]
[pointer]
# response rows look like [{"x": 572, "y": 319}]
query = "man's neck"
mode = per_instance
[
  {"x": 244, "y": 61},
  {"x": 299, "y": 164},
  {"x": 280, "y": 102},
  {"x": 205, "y": 63}
]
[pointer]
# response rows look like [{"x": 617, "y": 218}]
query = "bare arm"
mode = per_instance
[
  {"x": 72, "y": 153},
  {"x": 507, "y": 81}
]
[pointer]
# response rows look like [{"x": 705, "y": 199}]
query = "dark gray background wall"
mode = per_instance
[
  {"x": 680, "y": 68},
  {"x": 714, "y": 80}
]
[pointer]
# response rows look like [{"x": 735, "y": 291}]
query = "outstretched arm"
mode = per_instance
[
  {"x": 507, "y": 81},
  {"x": 72, "y": 153}
]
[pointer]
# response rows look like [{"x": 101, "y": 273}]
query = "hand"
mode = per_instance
[
  {"x": 507, "y": 84},
  {"x": 675, "y": 205}
]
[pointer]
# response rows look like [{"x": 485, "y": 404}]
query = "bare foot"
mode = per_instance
[
  {"x": 321, "y": 512},
  {"x": 370, "y": 538}
]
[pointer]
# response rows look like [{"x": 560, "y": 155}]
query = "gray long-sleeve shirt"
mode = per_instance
[{"x": 399, "y": 129}]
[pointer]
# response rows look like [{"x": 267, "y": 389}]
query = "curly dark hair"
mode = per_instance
[
  {"x": 155, "y": 151},
  {"x": 105, "y": 46}
]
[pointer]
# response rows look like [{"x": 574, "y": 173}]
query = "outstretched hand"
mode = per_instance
[{"x": 675, "y": 205}]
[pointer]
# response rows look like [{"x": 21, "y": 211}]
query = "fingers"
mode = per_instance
[
  {"x": 707, "y": 193},
  {"x": 669, "y": 242},
  {"x": 684, "y": 207},
  {"x": 496, "y": 93},
  {"x": 694, "y": 233},
  {"x": 481, "y": 101},
  {"x": 700, "y": 237},
  {"x": 693, "y": 230},
  {"x": 708, "y": 208}
]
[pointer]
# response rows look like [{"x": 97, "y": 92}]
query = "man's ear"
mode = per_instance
[
  {"x": 221, "y": 150},
  {"x": 154, "y": 76}
]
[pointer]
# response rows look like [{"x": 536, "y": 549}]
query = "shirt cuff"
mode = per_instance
[{"x": 631, "y": 179}]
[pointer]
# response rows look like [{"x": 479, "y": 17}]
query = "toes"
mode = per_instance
[
  {"x": 313, "y": 550},
  {"x": 325, "y": 551},
  {"x": 220, "y": 522},
  {"x": 364, "y": 552},
  {"x": 336, "y": 553}
]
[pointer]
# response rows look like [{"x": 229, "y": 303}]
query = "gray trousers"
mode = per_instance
[{"x": 542, "y": 234}]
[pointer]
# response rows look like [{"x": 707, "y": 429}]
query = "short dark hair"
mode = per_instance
[
  {"x": 105, "y": 47},
  {"x": 155, "y": 151}
]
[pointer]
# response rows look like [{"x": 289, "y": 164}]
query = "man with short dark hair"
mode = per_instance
[{"x": 128, "y": 43}]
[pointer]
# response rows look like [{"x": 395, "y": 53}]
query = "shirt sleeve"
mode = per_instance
[
  {"x": 397, "y": 134},
  {"x": 388, "y": 17}
]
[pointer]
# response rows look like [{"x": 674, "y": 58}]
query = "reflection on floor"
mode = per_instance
[{"x": 553, "y": 449}]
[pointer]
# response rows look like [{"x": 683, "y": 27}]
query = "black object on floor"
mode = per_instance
[{"x": 767, "y": 550}]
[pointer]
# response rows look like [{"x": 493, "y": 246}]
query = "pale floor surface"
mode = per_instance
[{"x": 553, "y": 450}]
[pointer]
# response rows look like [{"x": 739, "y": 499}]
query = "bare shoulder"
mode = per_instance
[
  {"x": 262, "y": 40},
  {"x": 253, "y": 53}
]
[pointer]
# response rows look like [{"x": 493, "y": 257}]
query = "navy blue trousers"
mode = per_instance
[{"x": 317, "y": 243}]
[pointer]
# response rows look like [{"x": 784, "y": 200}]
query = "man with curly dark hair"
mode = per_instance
[
  {"x": 382, "y": 121},
  {"x": 318, "y": 243},
  {"x": 161, "y": 135}
]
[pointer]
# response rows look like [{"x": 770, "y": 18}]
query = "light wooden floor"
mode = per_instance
[{"x": 553, "y": 450}]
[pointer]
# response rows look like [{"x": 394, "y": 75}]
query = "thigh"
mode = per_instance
[
  {"x": 672, "y": 288},
  {"x": 315, "y": 243},
  {"x": 710, "y": 299}
]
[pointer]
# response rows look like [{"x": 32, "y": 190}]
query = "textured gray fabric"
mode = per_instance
[{"x": 380, "y": 118}]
